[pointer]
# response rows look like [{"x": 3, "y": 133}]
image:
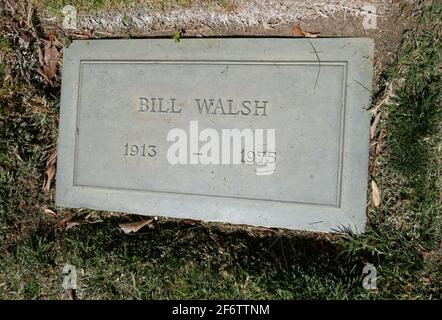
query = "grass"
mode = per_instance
[
  {"x": 54, "y": 7},
  {"x": 196, "y": 260},
  {"x": 176, "y": 261},
  {"x": 404, "y": 234}
]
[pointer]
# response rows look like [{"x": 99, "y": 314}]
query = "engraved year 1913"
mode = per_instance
[{"x": 143, "y": 150}]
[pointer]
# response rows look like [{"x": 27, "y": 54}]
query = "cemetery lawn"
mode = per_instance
[{"x": 176, "y": 259}]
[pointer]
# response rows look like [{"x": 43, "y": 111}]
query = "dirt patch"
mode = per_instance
[{"x": 384, "y": 21}]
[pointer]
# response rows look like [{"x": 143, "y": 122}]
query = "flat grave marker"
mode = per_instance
[{"x": 269, "y": 132}]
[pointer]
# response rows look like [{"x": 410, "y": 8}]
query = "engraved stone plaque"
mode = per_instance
[{"x": 268, "y": 132}]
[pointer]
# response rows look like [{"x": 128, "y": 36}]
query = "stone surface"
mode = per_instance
[{"x": 121, "y": 98}]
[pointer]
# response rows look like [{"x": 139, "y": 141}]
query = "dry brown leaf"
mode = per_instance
[
  {"x": 264, "y": 229},
  {"x": 52, "y": 159},
  {"x": 49, "y": 171},
  {"x": 71, "y": 224},
  {"x": 65, "y": 220},
  {"x": 311, "y": 34},
  {"x": 297, "y": 31},
  {"x": 49, "y": 176},
  {"x": 48, "y": 58},
  {"x": 51, "y": 59},
  {"x": 135, "y": 226},
  {"x": 374, "y": 125},
  {"x": 386, "y": 99},
  {"x": 40, "y": 56},
  {"x": 190, "y": 221},
  {"x": 375, "y": 194},
  {"x": 49, "y": 212},
  {"x": 379, "y": 143},
  {"x": 41, "y": 72}
]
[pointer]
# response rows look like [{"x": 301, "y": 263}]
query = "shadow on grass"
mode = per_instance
[{"x": 177, "y": 260}]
